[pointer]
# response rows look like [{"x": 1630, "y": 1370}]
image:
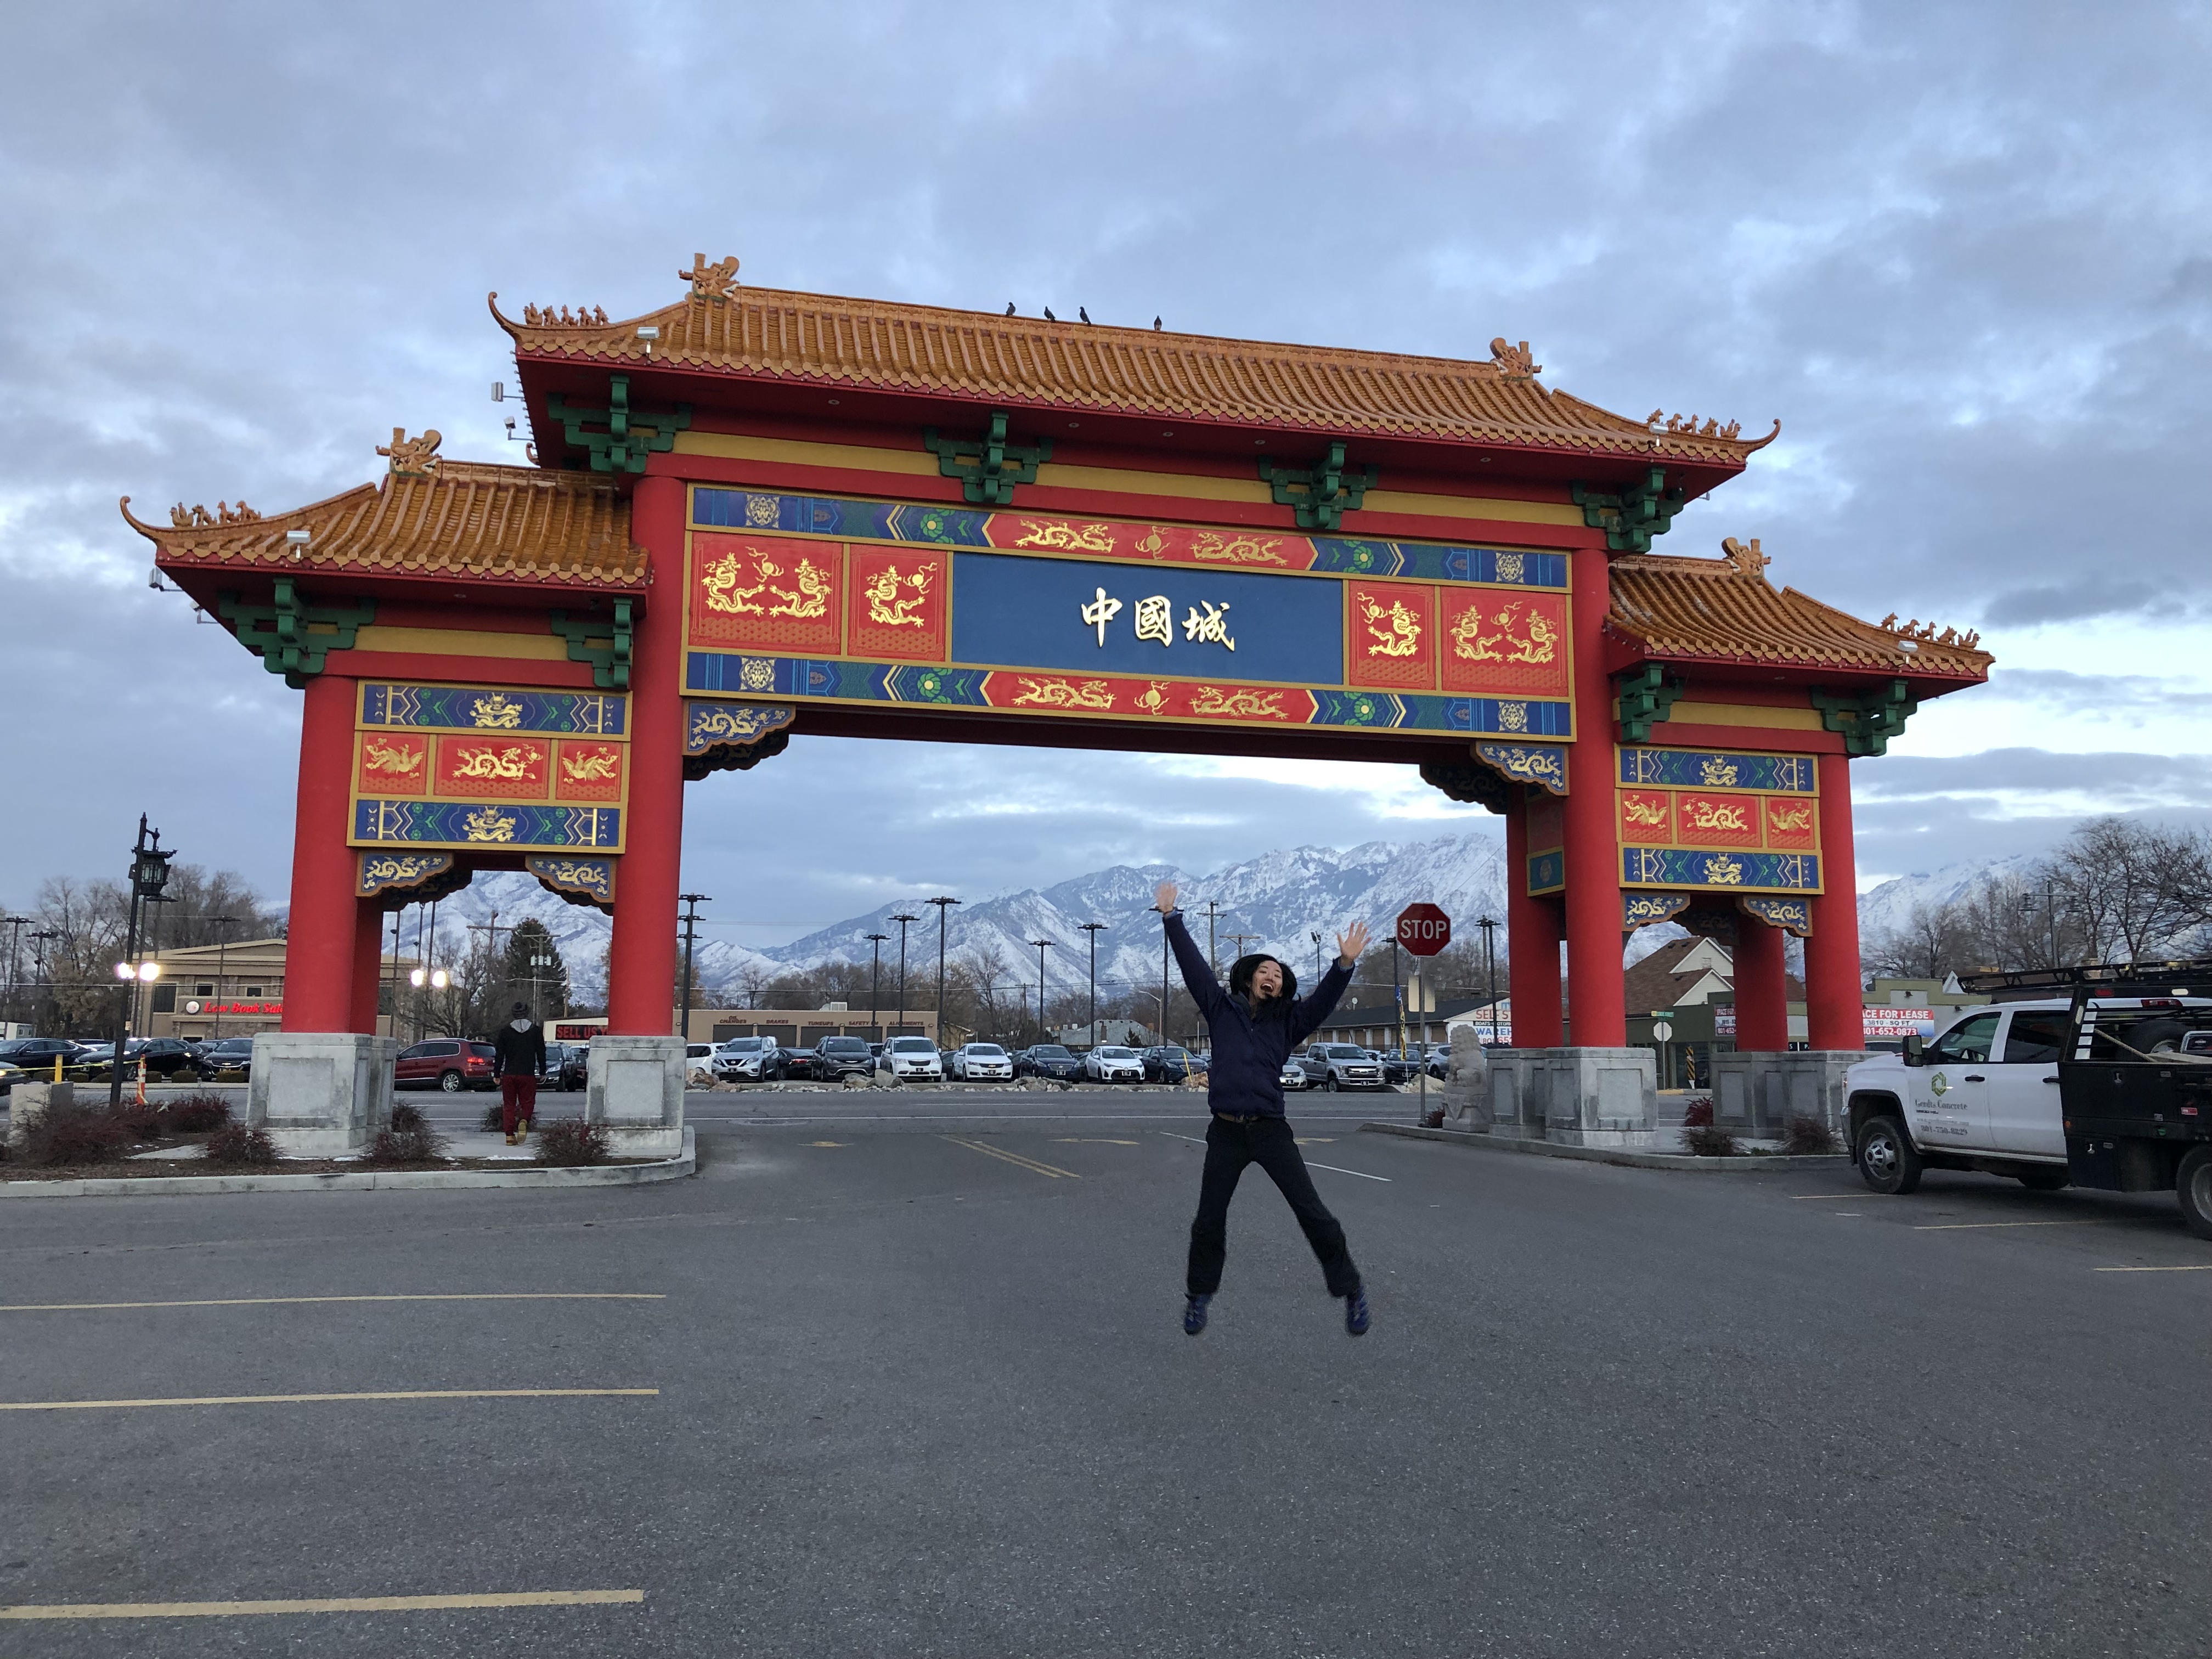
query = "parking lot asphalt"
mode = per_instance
[{"x": 919, "y": 1386}]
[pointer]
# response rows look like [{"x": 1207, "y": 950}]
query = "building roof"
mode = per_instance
[
  {"x": 1679, "y": 973},
  {"x": 765, "y": 334},
  {"x": 1724, "y": 610},
  {"x": 427, "y": 517}
]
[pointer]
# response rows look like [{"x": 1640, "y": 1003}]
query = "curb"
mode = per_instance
[
  {"x": 1627, "y": 1157},
  {"x": 622, "y": 1175}
]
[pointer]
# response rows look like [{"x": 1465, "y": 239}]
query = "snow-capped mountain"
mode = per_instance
[{"x": 1886, "y": 908}]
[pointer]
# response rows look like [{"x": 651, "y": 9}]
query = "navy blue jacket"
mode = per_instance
[{"x": 1247, "y": 1074}]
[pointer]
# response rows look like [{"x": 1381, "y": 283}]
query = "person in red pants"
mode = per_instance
[{"x": 519, "y": 1056}]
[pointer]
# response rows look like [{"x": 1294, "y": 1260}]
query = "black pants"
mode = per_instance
[{"x": 1267, "y": 1143}]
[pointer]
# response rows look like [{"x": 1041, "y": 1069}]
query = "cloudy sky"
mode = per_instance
[{"x": 1963, "y": 250}]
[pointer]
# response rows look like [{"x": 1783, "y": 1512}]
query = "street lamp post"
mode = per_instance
[
  {"x": 1489, "y": 925},
  {"x": 38, "y": 942},
  {"x": 15, "y": 953},
  {"x": 149, "y": 873},
  {"x": 691, "y": 901},
  {"x": 903, "y": 919},
  {"x": 944, "y": 908},
  {"x": 1093, "y": 929},
  {"x": 1315, "y": 937},
  {"x": 1042, "y": 945},
  {"x": 222, "y": 924},
  {"x": 876, "y": 986}
]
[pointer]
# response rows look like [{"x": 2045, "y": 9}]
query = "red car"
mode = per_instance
[{"x": 447, "y": 1063}]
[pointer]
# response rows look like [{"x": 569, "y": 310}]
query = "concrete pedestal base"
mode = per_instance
[
  {"x": 634, "y": 1086},
  {"x": 1758, "y": 1091},
  {"x": 28, "y": 1101},
  {"x": 1576, "y": 1097},
  {"x": 320, "y": 1094}
]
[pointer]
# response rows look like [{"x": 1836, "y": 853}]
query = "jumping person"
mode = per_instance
[
  {"x": 519, "y": 1055},
  {"x": 1255, "y": 1024}
]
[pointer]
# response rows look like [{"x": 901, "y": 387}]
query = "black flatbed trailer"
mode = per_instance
[{"x": 2135, "y": 1085}]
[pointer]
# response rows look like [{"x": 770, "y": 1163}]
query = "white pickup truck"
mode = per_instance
[{"x": 1981, "y": 1094}]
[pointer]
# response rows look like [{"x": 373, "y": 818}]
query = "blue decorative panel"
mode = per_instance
[
  {"x": 1702, "y": 768},
  {"x": 1705, "y": 869},
  {"x": 1548, "y": 872},
  {"x": 1792, "y": 916},
  {"x": 485, "y": 825},
  {"x": 1428, "y": 562},
  {"x": 477, "y": 709},
  {"x": 706, "y": 725}
]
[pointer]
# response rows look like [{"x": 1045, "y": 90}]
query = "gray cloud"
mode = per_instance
[{"x": 1965, "y": 251}]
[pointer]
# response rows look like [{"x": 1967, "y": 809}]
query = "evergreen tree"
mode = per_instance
[{"x": 532, "y": 972}]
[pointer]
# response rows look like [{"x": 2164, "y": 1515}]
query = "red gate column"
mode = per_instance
[
  {"x": 1835, "y": 1003},
  {"x": 1762, "y": 987},
  {"x": 1597, "y": 1003},
  {"x": 1532, "y": 944},
  {"x": 367, "y": 967},
  {"x": 318, "y": 942},
  {"x": 641, "y": 960}
]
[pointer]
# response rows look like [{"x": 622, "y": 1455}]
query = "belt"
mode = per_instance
[{"x": 1254, "y": 1117}]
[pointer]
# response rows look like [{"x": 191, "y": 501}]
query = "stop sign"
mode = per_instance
[{"x": 1424, "y": 929}]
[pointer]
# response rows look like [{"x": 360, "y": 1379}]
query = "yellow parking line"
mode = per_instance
[
  {"x": 1029, "y": 1163},
  {"x": 2193, "y": 1267},
  {"x": 828, "y": 1143},
  {"x": 282, "y": 1301},
  {"x": 325, "y": 1604},
  {"x": 1983, "y": 1226},
  {"x": 297, "y": 1399}
]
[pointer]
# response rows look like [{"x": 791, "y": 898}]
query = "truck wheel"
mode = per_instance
[
  {"x": 2193, "y": 1187},
  {"x": 1886, "y": 1159},
  {"x": 2044, "y": 1180}
]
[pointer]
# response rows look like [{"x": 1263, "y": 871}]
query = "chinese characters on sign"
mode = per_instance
[{"x": 1206, "y": 624}]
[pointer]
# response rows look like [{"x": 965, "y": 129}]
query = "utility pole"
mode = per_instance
[
  {"x": 1093, "y": 929},
  {"x": 691, "y": 901},
  {"x": 221, "y": 924},
  {"x": 14, "y": 949},
  {"x": 390, "y": 976},
  {"x": 38, "y": 941},
  {"x": 944, "y": 908},
  {"x": 876, "y": 986},
  {"x": 903, "y": 919},
  {"x": 1043, "y": 1035},
  {"x": 1213, "y": 957},
  {"x": 1490, "y": 972},
  {"x": 491, "y": 930}
]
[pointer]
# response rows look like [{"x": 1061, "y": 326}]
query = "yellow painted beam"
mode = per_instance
[
  {"x": 460, "y": 642},
  {"x": 1740, "y": 714}
]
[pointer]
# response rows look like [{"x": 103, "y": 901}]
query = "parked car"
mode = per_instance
[
  {"x": 748, "y": 1059},
  {"x": 446, "y": 1063},
  {"x": 36, "y": 1055},
  {"x": 839, "y": 1057},
  {"x": 1293, "y": 1077},
  {"x": 1109, "y": 1064},
  {"x": 797, "y": 1062},
  {"x": 227, "y": 1054},
  {"x": 1334, "y": 1065},
  {"x": 1168, "y": 1065},
  {"x": 565, "y": 1066},
  {"x": 973, "y": 1061},
  {"x": 912, "y": 1057},
  {"x": 1048, "y": 1060},
  {"x": 164, "y": 1058}
]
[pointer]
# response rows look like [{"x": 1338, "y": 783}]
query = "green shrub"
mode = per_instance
[
  {"x": 1807, "y": 1136},
  {"x": 195, "y": 1115},
  {"x": 237, "y": 1145},
  {"x": 569, "y": 1142},
  {"x": 76, "y": 1134},
  {"x": 1706, "y": 1140}
]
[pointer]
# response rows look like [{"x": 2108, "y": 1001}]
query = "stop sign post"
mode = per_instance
[{"x": 1423, "y": 930}]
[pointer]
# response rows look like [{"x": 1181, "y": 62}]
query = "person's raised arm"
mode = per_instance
[
  {"x": 1205, "y": 990},
  {"x": 1316, "y": 1005}
]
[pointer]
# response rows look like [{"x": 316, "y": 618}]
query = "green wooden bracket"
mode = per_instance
[
  {"x": 988, "y": 468},
  {"x": 292, "y": 637},
  {"x": 1632, "y": 516},
  {"x": 1867, "y": 720},
  {"x": 631, "y": 435},
  {"x": 1647, "y": 698},
  {"x": 1320, "y": 495},
  {"x": 604, "y": 642}
]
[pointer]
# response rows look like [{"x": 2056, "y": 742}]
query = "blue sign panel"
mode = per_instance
[{"x": 1108, "y": 619}]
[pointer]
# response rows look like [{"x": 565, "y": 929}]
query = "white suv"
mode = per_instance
[
  {"x": 974, "y": 1060},
  {"x": 913, "y": 1058}
]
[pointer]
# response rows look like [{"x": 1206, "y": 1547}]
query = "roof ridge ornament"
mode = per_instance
[
  {"x": 412, "y": 458},
  {"x": 199, "y": 518},
  {"x": 717, "y": 282},
  {"x": 1515, "y": 363},
  {"x": 1745, "y": 557},
  {"x": 546, "y": 316}
]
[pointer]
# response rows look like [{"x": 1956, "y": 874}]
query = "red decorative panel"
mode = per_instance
[
  {"x": 766, "y": 593},
  {"x": 1495, "y": 642},
  {"x": 585, "y": 769},
  {"x": 495, "y": 768},
  {"x": 391, "y": 765},
  {"x": 1087, "y": 694},
  {"x": 1548, "y": 823},
  {"x": 897, "y": 604},
  {"x": 1716, "y": 820},
  {"x": 1647, "y": 817},
  {"x": 1390, "y": 635},
  {"x": 1792, "y": 823}
]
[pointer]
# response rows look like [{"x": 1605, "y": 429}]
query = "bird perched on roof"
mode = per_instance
[
  {"x": 1156, "y": 325},
  {"x": 1010, "y": 308},
  {"x": 1049, "y": 316},
  {"x": 1081, "y": 313}
]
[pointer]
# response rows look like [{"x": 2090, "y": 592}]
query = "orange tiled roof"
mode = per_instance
[
  {"x": 439, "y": 519},
  {"x": 1725, "y": 609},
  {"x": 721, "y": 327}
]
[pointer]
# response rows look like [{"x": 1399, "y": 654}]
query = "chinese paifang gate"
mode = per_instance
[{"x": 755, "y": 513}]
